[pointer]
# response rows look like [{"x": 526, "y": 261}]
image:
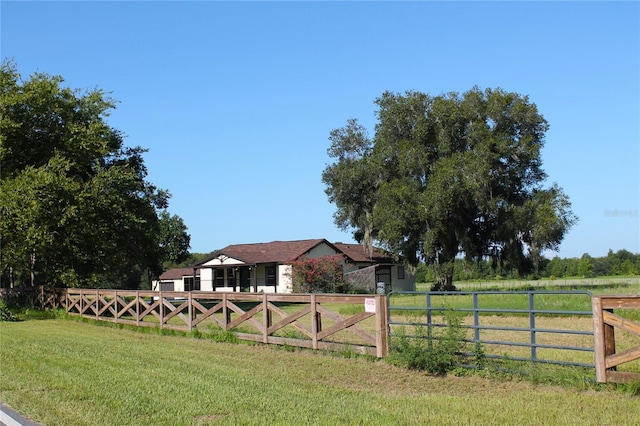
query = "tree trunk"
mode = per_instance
[
  {"x": 32, "y": 264},
  {"x": 444, "y": 275},
  {"x": 444, "y": 283},
  {"x": 535, "y": 258}
]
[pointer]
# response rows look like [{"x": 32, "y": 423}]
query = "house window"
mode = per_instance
[
  {"x": 401, "y": 272},
  {"x": 270, "y": 275},
  {"x": 231, "y": 277},
  {"x": 218, "y": 279},
  {"x": 189, "y": 284}
]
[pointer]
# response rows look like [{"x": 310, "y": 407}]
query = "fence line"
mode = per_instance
[
  {"x": 304, "y": 320},
  {"x": 251, "y": 317}
]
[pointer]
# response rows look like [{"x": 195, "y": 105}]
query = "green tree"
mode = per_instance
[
  {"x": 350, "y": 181},
  {"x": 585, "y": 266},
  {"x": 446, "y": 175},
  {"x": 173, "y": 239},
  {"x": 601, "y": 266},
  {"x": 76, "y": 207},
  {"x": 544, "y": 219},
  {"x": 622, "y": 262}
]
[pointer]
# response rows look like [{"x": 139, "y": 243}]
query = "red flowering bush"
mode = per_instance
[{"x": 318, "y": 275}]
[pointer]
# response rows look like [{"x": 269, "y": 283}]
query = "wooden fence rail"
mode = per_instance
[
  {"x": 304, "y": 320},
  {"x": 605, "y": 321}
]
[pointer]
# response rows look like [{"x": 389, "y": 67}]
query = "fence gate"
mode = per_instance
[{"x": 553, "y": 327}]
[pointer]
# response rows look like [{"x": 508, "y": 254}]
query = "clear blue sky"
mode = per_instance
[{"x": 235, "y": 100}]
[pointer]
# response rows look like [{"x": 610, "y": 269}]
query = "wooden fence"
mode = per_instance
[
  {"x": 305, "y": 320},
  {"x": 605, "y": 321}
]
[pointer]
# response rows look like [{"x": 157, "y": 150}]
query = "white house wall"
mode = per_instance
[
  {"x": 406, "y": 284},
  {"x": 206, "y": 279},
  {"x": 284, "y": 278}
]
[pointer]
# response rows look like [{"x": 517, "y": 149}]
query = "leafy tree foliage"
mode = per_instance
[
  {"x": 585, "y": 266},
  {"x": 190, "y": 260},
  {"x": 620, "y": 263},
  {"x": 76, "y": 208},
  {"x": 173, "y": 239},
  {"x": 446, "y": 175}
]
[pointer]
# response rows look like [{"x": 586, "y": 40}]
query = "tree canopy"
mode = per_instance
[
  {"x": 448, "y": 175},
  {"x": 76, "y": 208}
]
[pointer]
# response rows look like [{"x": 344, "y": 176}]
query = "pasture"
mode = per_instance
[{"x": 61, "y": 372}]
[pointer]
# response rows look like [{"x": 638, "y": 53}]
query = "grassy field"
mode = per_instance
[
  {"x": 551, "y": 301},
  {"x": 598, "y": 285},
  {"x": 61, "y": 372}
]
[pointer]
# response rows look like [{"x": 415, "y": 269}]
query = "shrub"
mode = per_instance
[
  {"x": 318, "y": 275},
  {"x": 428, "y": 350},
  {"x": 479, "y": 356},
  {"x": 5, "y": 313}
]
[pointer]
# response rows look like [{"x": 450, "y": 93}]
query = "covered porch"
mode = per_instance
[{"x": 240, "y": 277}]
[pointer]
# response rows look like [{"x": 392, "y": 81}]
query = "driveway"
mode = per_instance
[{"x": 10, "y": 417}]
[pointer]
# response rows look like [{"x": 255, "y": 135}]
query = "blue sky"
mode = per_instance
[{"x": 235, "y": 100}]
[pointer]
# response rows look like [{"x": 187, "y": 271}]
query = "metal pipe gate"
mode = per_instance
[{"x": 524, "y": 332}]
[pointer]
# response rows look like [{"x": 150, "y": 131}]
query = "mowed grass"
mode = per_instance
[{"x": 61, "y": 372}]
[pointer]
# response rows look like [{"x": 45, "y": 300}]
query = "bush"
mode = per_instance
[
  {"x": 5, "y": 313},
  {"x": 318, "y": 275},
  {"x": 428, "y": 350}
]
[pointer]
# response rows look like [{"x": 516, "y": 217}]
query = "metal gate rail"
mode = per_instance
[{"x": 430, "y": 315}]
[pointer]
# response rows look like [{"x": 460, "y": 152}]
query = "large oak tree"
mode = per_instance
[
  {"x": 76, "y": 208},
  {"x": 449, "y": 175}
]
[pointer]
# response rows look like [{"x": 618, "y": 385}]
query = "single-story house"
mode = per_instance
[{"x": 266, "y": 267}]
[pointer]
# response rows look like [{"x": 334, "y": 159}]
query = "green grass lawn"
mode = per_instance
[{"x": 61, "y": 372}]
